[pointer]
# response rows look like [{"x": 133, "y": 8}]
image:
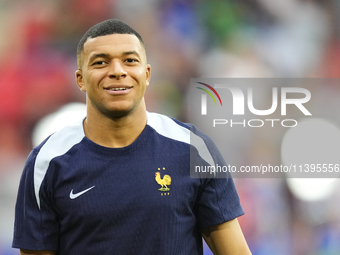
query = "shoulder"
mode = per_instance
[
  {"x": 57, "y": 144},
  {"x": 184, "y": 132},
  {"x": 172, "y": 127},
  {"x": 60, "y": 142},
  {"x": 169, "y": 127},
  {"x": 175, "y": 129}
]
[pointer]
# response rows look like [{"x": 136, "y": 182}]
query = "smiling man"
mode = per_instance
[
  {"x": 114, "y": 73},
  {"x": 119, "y": 181}
]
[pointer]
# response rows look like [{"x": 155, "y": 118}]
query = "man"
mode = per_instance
[{"x": 119, "y": 182}]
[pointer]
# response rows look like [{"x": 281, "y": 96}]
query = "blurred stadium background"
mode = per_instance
[{"x": 184, "y": 39}]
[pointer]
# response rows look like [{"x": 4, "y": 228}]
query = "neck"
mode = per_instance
[{"x": 115, "y": 133}]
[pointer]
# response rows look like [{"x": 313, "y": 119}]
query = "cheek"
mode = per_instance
[
  {"x": 93, "y": 78},
  {"x": 138, "y": 74}
]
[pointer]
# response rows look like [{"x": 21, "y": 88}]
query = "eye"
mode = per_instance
[
  {"x": 99, "y": 63},
  {"x": 131, "y": 60}
]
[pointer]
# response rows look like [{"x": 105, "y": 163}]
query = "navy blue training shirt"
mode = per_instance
[{"x": 77, "y": 197}]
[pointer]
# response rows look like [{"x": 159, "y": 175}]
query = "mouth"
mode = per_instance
[{"x": 118, "y": 89}]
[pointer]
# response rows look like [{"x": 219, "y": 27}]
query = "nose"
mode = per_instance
[{"x": 117, "y": 71}]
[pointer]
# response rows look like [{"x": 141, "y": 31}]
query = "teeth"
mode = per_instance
[{"x": 118, "y": 89}]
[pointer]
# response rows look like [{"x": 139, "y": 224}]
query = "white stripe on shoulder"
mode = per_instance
[
  {"x": 58, "y": 144},
  {"x": 165, "y": 126}
]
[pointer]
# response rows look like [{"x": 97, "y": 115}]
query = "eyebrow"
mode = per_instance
[
  {"x": 103, "y": 55},
  {"x": 131, "y": 53}
]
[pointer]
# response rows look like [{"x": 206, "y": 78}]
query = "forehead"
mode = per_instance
[{"x": 113, "y": 43}]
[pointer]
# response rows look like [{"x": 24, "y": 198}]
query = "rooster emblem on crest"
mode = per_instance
[{"x": 163, "y": 182}]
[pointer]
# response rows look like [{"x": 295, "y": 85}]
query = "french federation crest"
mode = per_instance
[{"x": 164, "y": 182}]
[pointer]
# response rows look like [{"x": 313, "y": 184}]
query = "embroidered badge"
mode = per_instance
[{"x": 164, "y": 182}]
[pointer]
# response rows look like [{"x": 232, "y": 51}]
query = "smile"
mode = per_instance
[{"x": 116, "y": 90}]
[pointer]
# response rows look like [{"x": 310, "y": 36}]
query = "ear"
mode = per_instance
[
  {"x": 148, "y": 74},
  {"x": 80, "y": 80}
]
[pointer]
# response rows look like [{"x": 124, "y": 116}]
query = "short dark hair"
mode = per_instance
[{"x": 107, "y": 27}]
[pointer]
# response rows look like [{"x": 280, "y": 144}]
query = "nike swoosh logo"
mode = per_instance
[{"x": 73, "y": 196}]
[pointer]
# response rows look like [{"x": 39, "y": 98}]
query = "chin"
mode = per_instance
[{"x": 118, "y": 112}]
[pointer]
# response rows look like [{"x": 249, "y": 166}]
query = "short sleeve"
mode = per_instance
[
  {"x": 34, "y": 228},
  {"x": 218, "y": 200}
]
